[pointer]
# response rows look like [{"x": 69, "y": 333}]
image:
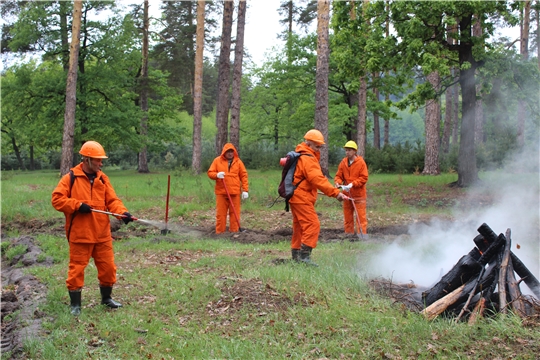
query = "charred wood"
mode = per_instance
[
  {"x": 466, "y": 268},
  {"x": 488, "y": 236}
]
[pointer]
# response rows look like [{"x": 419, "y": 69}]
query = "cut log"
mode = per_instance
[
  {"x": 435, "y": 309},
  {"x": 488, "y": 236},
  {"x": 503, "y": 274},
  {"x": 466, "y": 268},
  {"x": 459, "y": 295}
]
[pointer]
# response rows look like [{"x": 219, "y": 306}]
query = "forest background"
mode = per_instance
[{"x": 394, "y": 80}]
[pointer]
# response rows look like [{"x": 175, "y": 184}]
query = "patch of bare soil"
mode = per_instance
[{"x": 22, "y": 296}]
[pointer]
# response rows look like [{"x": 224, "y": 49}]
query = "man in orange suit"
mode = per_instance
[
  {"x": 352, "y": 176},
  {"x": 309, "y": 178},
  {"x": 231, "y": 176},
  {"x": 85, "y": 188}
]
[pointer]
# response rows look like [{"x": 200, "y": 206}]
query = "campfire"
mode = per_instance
[{"x": 484, "y": 282}]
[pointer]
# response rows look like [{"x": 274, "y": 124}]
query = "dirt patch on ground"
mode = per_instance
[{"x": 22, "y": 295}]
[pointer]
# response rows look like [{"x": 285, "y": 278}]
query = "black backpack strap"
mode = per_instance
[{"x": 72, "y": 181}]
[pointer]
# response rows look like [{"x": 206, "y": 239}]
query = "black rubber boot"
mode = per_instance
[
  {"x": 305, "y": 255},
  {"x": 106, "y": 297},
  {"x": 75, "y": 305},
  {"x": 295, "y": 254}
]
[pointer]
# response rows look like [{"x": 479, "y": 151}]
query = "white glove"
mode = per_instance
[
  {"x": 220, "y": 175},
  {"x": 245, "y": 195},
  {"x": 346, "y": 187}
]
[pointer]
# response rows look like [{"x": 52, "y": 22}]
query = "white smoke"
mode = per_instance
[{"x": 431, "y": 250}]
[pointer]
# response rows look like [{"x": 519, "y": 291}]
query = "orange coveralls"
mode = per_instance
[
  {"x": 357, "y": 174},
  {"x": 89, "y": 235},
  {"x": 236, "y": 180},
  {"x": 306, "y": 225}
]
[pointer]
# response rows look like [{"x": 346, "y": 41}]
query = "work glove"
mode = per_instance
[
  {"x": 346, "y": 187},
  {"x": 245, "y": 195},
  {"x": 127, "y": 218},
  {"x": 342, "y": 197},
  {"x": 85, "y": 208},
  {"x": 220, "y": 175}
]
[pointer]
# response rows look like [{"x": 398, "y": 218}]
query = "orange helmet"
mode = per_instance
[
  {"x": 93, "y": 149},
  {"x": 316, "y": 136}
]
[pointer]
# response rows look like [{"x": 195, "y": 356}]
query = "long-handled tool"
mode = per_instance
[
  {"x": 111, "y": 213},
  {"x": 232, "y": 206},
  {"x": 360, "y": 233},
  {"x": 145, "y": 222},
  {"x": 166, "y": 230}
]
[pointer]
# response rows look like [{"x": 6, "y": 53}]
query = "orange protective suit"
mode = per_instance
[
  {"x": 357, "y": 174},
  {"x": 306, "y": 225},
  {"x": 89, "y": 235},
  {"x": 236, "y": 180}
]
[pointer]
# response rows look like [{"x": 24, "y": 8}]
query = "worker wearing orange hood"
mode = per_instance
[
  {"x": 84, "y": 189},
  {"x": 230, "y": 175},
  {"x": 309, "y": 178}
]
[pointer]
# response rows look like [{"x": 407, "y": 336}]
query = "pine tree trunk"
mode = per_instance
[
  {"x": 524, "y": 51},
  {"x": 143, "y": 154},
  {"x": 433, "y": 111},
  {"x": 222, "y": 112},
  {"x": 479, "y": 112},
  {"x": 361, "y": 123},
  {"x": 376, "y": 125},
  {"x": 68, "y": 137},
  {"x": 321, "y": 89},
  {"x": 234, "y": 131},
  {"x": 197, "y": 91},
  {"x": 467, "y": 170}
]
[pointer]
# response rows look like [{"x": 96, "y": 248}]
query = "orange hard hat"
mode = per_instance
[
  {"x": 316, "y": 136},
  {"x": 93, "y": 149}
]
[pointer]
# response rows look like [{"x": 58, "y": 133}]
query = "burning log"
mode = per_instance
[
  {"x": 488, "y": 236},
  {"x": 466, "y": 268}
]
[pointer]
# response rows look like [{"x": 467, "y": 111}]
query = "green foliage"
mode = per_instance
[
  {"x": 402, "y": 159},
  {"x": 13, "y": 251}
]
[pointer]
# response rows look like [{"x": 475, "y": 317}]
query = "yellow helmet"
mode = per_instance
[
  {"x": 351, "y": 144},
  {"x": 93, "y": 149},
  {"x": 316, "y": 136}
]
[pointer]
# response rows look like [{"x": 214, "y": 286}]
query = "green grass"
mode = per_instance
[{"x": 201, "y": 298}]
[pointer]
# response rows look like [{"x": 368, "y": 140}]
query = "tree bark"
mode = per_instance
[
  {"x": 197, "y": 91},
  {"x": 361, "y": 121},
  {"x": 467, "y": 170},
  {"x": 321, "y": 89},
  {"x": 222, "y": 112},
  {"x": 68, "y": 136},
  {"x": 376, "y": 125},
  {"x": 503, "y": 274},
  {"x": 234, "y": 130},
  {"x": 433, "y": 111},
  {"x": 143, "y": 97},
  {"x": 524, "y": 51},
  {"x": 479, "y": 109}
]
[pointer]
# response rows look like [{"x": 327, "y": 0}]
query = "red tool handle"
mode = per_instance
[{"x": 232, "y": 206}]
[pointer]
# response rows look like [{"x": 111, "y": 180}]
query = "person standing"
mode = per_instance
[
  {"x": 88, "y": 233},
  {"x": 231, "y": 176},
  {"x": 352, "y": 176},
  {"x": 308, "y": 178}
]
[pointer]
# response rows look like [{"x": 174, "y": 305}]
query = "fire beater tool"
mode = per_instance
[{"x": 232, "y": 206}]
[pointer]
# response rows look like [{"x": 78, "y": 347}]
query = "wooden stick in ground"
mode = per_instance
[
  {"x": 478, "y": 311},
  {"x": 471, "y": 295},
  {"x": 513, "y": 287},
  {"x": 502, "y": 274}
]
